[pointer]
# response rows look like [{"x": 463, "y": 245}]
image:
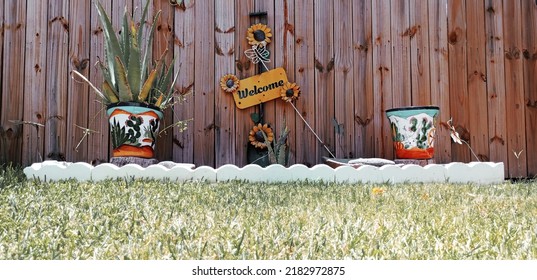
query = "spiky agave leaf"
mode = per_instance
[
  {"x": 125, "y": 93},
  {"x": 125, "y": 39},
  {"x": 109, "y": 92},
  {"x": 168, "y": 88},
  {"x": 134, "y": 68},
  {"x": 142, "y": 22},
  {"x": 148, "y": 83},
  {"x": 97, "y": 91},
  {"x": 148, "y": 49},
  {"x": 282, "y": 155},
  {"x": 112, "y": 48}
]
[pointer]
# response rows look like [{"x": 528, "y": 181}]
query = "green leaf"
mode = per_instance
[
  {"x": 171, "y": 86},
  {"x": 134, "y": 69},
  {"x": 109, "y": 92},
  {"x": 148, "y": 84},
  {"x": 125, "y": 38},
  {"x": 256, "y": 118},
  {"x": 125, "y": 93},
  {"x": 142, "y": 23},
  {"x": 148, "y": 49},
  {"x": 112, "y": 48}
]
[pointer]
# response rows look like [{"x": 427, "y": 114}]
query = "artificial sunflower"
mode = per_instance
[
  {"x": 256, "y": 135},
  {"x": 229, "y": 83},
  {"x": 377, "y": 191},
  {"x": 258, "y": 34},
  {"x": 290, "y": 92}
]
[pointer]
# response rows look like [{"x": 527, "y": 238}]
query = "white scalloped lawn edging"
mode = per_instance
[{"x": 456, "y": 172}]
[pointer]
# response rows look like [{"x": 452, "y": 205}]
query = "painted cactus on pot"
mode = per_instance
[{"x": 413, "y": 131}]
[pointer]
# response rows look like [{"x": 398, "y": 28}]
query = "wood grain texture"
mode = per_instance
[
  {"x": 306, "y": 143},
  {"x": 324, "y": 76},
  {"x": 164, "y": 41},
  {"x": 514, "y": 88},
  {"x": 57, "y": 78},
  {"x": 439, "y": 69},
  {"x": 78, "y": 93},
  {"x": 344, "y": 83},
  {"x": 204, "y": 91},
  {"x": 477, "y": 79},
  {"x": 419, "y": 53},
  {"x": 496, "y": 82},
  {"x": 224, "y": 64},
  {"x": 269, "y": 108},
  {"x": 382, "y": 78},
  {"x": 35, "y": 86},
  {"x": 284, "y": 56},
  {"x": 529, "y": 54},
  {"x": 363, "y": 77},
  {"x": 3, "y": 138},
  {"x": 458, "y": 96},
  {"x": 184, "y": 46},
  {"x": 244, "y": 68},
  {"x": 13, "y": 74},
  {"x": 400, "y": 39},
  {"x": 97, "y": 142}
]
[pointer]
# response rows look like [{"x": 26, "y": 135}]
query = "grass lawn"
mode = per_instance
[{"x": 125, "y": 219}]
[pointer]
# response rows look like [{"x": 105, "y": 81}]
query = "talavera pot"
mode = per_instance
[
  {"x": 413, "y": 130},
  {"x": 134, "y": 128}
]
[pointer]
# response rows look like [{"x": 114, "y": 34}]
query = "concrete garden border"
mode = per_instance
[{"x": 456, "y": 172}]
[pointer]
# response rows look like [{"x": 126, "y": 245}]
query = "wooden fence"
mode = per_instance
[{"x": 353, "y": 59}]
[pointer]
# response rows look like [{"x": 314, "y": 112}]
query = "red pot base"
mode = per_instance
[{"x": 132, "y": 151}]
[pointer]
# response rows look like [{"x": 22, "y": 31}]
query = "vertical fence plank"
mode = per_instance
[
  {"x": 304, "y": 59},
  {"x": 57, "y": 77},
  {"x": 183, "y": 142},
  {"x": 3, "y": 142},
  {"x": 34, "y": 86},
  {"x": 496, "y": 82},
  {"x": 284, "y": 56},
  {"x": 438, "y": 44},
  {"x": 224, "y": 64},
  {"x": 529, "y": 54},
  {"x": 269, "y": 108},
  {"x": 401, "y": 82},
  {"x": 514, "y": 89},
  {"x": 164, "y": 41},
  {"x": 344, "y": 72},
  {"x": 77, "y": 108},
  {"x": 419, "y": 53},
  {"x": 382, "y": 80},
  {"x": 363, "y": 79},
  {"x": 13, "y": 74},
  {"x": 458, "y": 76},
  {"x": 204, "y": 87},
  {"x": 97, "y": 121},
  {"x": 477, "y": 91},
  {"x": 244, "y": 69},
  {"x": 324, "y": 75}
]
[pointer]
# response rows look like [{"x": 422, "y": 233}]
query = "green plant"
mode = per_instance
[
  {"x": 120, "y": 135},
  {"x": 129, "y": 75},
  {"x": 277, "y": 151}
]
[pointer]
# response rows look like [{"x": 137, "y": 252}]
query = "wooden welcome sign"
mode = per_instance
[{"x": 260, "y": 88}]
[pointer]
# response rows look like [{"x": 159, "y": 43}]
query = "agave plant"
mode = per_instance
[
  {"x": 129, "y": 75},
  {"x": 278, "y": 152}
]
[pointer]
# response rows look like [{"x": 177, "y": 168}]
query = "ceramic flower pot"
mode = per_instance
[
  {"x": 413, "y": 131},
  {"x": 134, "y": 128}
]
